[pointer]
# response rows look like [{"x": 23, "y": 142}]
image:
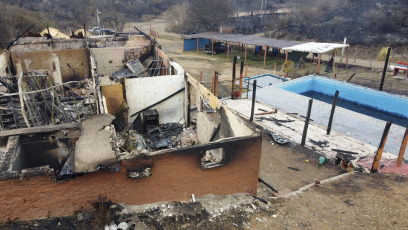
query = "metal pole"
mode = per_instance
[
  {"x": 253, "y": 101},
  {"x": 99, "y": 21},
  {"x": 403, "y": 147},
  {"x": 385, "y": 68},
  {"x": 336, "y": 95},
  {"x": 377, "y": 158},
  {"x": 309, "y": 110}
]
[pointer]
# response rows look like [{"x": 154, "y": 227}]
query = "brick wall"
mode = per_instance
[{"x": 176, "y": 174}]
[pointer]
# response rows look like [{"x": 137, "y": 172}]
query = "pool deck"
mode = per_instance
[
  {"x": 346, "y": 139},
  {"x": 353, "y": 124}
]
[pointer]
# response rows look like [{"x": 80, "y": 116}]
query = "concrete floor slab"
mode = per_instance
[
  {"x": 356, "y": 125},
  {"x": 291, "y": 127}
]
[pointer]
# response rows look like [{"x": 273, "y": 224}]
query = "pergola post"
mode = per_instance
[
  {"x": 265, "y": 57},
  {"x": 212, "y": 47},
  {"x": 197, "y": 43},
  {"x": 318, "y": 63},
  {"x": 287, "y": 53},
  {"x": 347, "y": 53},
  {"x": 246, "y": 46}
]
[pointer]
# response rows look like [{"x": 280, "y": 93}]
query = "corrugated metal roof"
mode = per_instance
[
  {"x": 313, "y": 47},
  {"x": 246, "y": 39}
]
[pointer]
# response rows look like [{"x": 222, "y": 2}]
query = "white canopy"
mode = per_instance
[{"x": 315, "y": 47}]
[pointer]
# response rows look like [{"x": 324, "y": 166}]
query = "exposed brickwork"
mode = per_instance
[{"x": 175, "y": 176}]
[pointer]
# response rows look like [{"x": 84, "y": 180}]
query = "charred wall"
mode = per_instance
[{"x": 72, "y": 64}]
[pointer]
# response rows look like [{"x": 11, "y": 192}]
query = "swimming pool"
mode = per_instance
[
  {"x": 371, "y": 102},
  {"x": 287, "y": 96},
  {"x": 264, "y": 80}
]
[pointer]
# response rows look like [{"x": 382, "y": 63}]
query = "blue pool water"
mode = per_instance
[{"x": 373, "y": 103}]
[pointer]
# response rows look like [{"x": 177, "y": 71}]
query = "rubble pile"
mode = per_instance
[{"x": 43, "y": 102}]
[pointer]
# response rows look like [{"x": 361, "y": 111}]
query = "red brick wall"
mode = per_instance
[{"x": 175, "y": 176}]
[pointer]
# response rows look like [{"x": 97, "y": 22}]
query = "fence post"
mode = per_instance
[
  {"x": 377, "y": 158},
  {"x": 253, "y": 101},
  {"x": 309, "y": 110},
  {"x": 336, "y": 95},
  {"x": 403, "y": 147}
]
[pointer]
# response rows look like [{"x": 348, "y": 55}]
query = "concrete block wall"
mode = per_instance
[
  {"x": 135, "y": 53},
  {"x": 47, "y": 62}
]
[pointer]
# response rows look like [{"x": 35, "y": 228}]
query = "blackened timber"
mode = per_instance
[
  {"x": 253, "y": 101},
  {"x": 188, "y": 101},
  {"x": 385, "y": 68},
  {"x": 267, "y": 185},
  {"x": 309, "y": 110},
  {"x": 162, "y": 100},
  {"x": 214, "y": 134},
  {"x": 18, "y": 36},
  {"x": 148, "y": 37},
  {"x": 233, "y": 77},
  {"x": 336, "y": 95},
  {"x": 377, "y": 158}
]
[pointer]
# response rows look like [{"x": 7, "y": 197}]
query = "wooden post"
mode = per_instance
[
  {"x": 377, "y": 158},
  {"x": 246, "y": 46},
  {"x": 212, "y": 47},
  {"x": 198, "y": 43},
  {"x": 212, "y": 84},
  {"x": 241, "y": 75},
  {"x": 336, "y": 95},
  {"x": 265, "y": 57},
  {"x": 188, "y": 104},
  {"x": 246, "y": 71},
  {"x": 216, "y": 84},
  {"x": 403, "y": 147},
  {"x": 347, "y": 53},
  {"x": 233, "y": 77},
  {"x": 318, "y": 63},
  {"x": 385, "y": 69},
  {"x": 274, "y": 67},
  {"x": 227, "y": 50},
  {"x": 313, "y": 58},
  {"x": 253, "y": 101},
  {"x": 201, "y": 76},
  {"x": 309, "y": 110},
  {"x": 287, "y": 52},
  {"x": 334, "y": 56}
]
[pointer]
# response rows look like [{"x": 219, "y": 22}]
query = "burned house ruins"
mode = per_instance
[{"x": 112, "y": 115}]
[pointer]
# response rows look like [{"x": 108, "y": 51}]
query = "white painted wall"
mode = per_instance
[
  {"x": 142, "y": 92},
  {"x": 3, "y": 63}
]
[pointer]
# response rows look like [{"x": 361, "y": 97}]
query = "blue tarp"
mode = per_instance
[{"x": 191, "y": 44}]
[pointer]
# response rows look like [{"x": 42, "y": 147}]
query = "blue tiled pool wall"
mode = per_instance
[{"x": 368, "y": 97}]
